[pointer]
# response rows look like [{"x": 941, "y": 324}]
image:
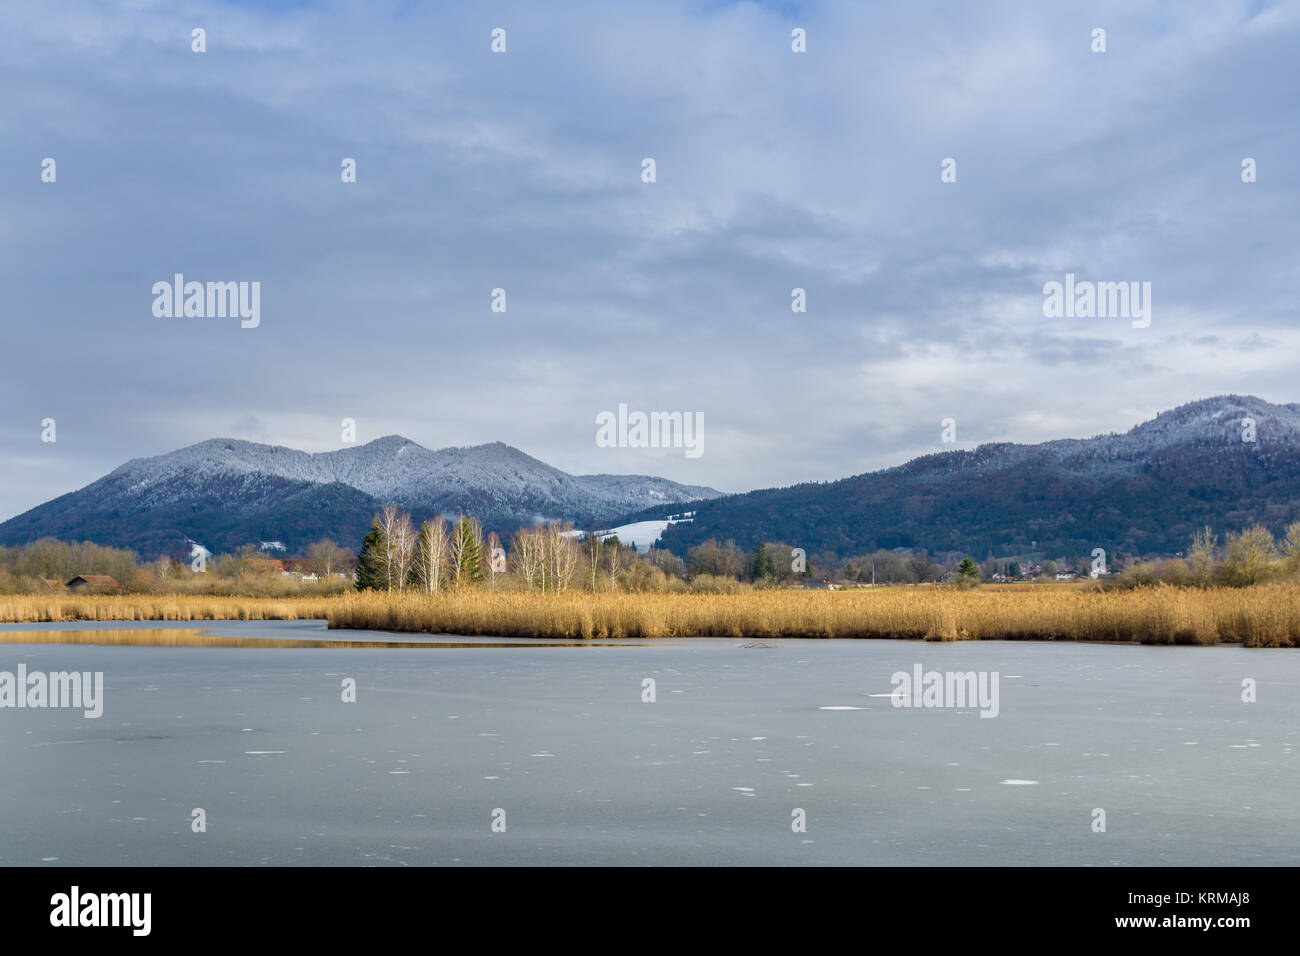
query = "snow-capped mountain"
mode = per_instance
[
  {"x": 1223, "y": 422},
  {"x": 225, "y": 492},
  {"x": 1228, "y": 461}
]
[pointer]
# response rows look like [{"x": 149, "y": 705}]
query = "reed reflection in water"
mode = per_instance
[{"x": 200, "y": 638}]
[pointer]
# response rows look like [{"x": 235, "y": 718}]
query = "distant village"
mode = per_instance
[
  {"x": 292, "y": 569},
  {"x": 642, "y": 566}
]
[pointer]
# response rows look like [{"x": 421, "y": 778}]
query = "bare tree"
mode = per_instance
[
  {"x": 1249, "y": 555},
  {"x": 527, "y": 555},
  {"x": 562, "y": 555},
  {"x": 399, "y": 541},
  {"x": 1290, "y": 546},
  {"x": 387, "y": 519},
  {"x": 615, "y": 565},
  {"x": 325, "y": 557},
  {"x": 671, "y": 565},
  {"x": 1200, "y": 559},
  {"x": 923, "y": 567},
  {"x": 593, "y": 555},
  {"x": 431, "y": 549},
  {"x": 404, "y": 551}
]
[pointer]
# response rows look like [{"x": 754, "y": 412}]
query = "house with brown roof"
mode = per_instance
[
  {"x": 54, "y": 585},
  {"x": 264, "y": 565},
  {"x": 94, "y": 584}
]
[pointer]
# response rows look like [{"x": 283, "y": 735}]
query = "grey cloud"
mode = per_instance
[{"x": 522, "y": 171}]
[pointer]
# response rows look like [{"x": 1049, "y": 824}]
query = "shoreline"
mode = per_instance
[
  {"x": 201, "y": 637},
  {"x": 1262, "y": 616}
]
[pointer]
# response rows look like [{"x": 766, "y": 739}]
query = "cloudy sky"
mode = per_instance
[{"x": 522, "y": 170}]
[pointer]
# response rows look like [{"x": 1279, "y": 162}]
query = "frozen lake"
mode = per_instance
[{"x": 559, "y": 738}]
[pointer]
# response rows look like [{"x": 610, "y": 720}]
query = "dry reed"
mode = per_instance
[
  {"x": 1262, "y": 616},
  {"x": 1267, "y": 616}
]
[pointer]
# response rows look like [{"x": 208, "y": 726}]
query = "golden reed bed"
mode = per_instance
[
  {"x": 1263, "y": 616},
  {"x": 160, "y": 607}
]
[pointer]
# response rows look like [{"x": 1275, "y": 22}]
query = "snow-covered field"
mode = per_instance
[{"x": 642, "y": 534}]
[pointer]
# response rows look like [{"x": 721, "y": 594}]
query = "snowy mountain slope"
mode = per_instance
[
  {"x": 397, "y": 469},
  {"x": 231, "y": 488},
  {"x": 1142, "y": 492}
]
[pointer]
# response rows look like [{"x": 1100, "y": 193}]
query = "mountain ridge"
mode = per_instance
[
  {"x": 158, "y": 503},
  {"x": 1143, "y": 491}
]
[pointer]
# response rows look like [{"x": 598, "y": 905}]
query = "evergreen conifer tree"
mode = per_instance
[
  {"x": 764, "y": 567},
  {"x": 968, "y": 574},
  {"x": 370, "y": 571}
]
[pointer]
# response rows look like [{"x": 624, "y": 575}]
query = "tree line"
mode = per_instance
[
  {"x": 443, "y": 554},
  {"x": 42, "y": 566},
  {"x": 1251, "y": 556}
]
